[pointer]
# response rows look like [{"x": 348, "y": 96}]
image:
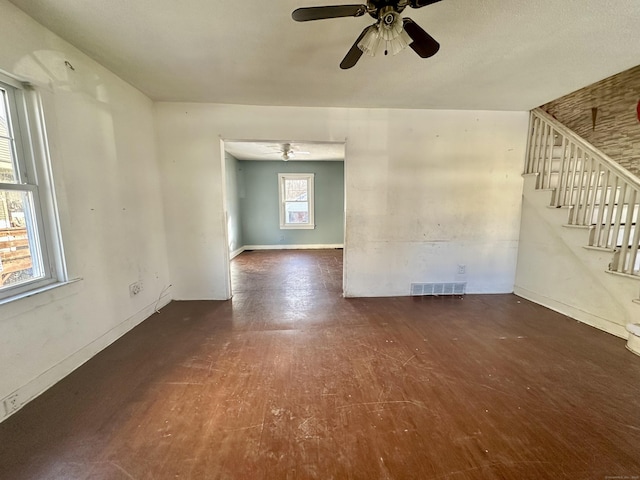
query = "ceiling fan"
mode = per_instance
[
  {"x": 390, "y": 27},
  {"x": 288, "y": 151}
]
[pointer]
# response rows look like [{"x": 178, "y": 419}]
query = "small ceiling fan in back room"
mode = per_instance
[{"x": 396, "y": 32}]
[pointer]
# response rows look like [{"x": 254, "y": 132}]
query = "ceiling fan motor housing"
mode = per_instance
[
  {"x": 388, "y": 19},
  {"x": 376, "y": 7}
]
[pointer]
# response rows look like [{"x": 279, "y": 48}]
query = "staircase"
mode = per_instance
[{"x": 596, "y": 204}]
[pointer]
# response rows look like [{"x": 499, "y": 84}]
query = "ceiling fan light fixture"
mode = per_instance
[
  {"x": 287, "y": 153},
  {"x": 399, "y": 43},
  {"x": 391, "y": 30},
  {"x": 370, "y": 42}
]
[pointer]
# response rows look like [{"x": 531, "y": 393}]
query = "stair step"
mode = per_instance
[
  {"x": 626, "y": 275},
  {"x": 609, "y": 239},
  {"x": 582, "y": 227},
  {"x": 612, "y": 224},
  {"x": 624, "y": 211},
  {"x": 556, "y": 140},
  {"x": 620, "y": 263},
  {"x": 599, "y": 249},
  {"x": 552, "y": 179},
  {"x": 543, "y": 150},
  {"x": 556, "y": 157}
]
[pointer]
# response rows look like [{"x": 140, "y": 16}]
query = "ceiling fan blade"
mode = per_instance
[
  {"x": 336, "y": 11},
  {"x": 421, "y": 3},
  {"x": 354, "y": 54},
  {"x": 423, "y": 43}
]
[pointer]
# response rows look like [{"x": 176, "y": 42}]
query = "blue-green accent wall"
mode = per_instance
[
  {"x": 259, "y": 203},
  {"x": 234, "y": 192}
]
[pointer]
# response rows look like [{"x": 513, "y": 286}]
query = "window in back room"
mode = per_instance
[{"x": 296, "y": 200}]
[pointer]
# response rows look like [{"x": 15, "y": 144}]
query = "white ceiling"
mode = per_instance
[{"x": 495, "y": 54}]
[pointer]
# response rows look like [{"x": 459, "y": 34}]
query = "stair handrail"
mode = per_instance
[{"x": 586, "y": 146}]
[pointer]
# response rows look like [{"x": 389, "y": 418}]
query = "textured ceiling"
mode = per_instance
[{"x": 495, "y": 54}]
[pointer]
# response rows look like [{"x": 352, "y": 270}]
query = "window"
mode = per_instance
[
  {"x": 26, "y": 248},
  {"x": 296, "y": 200}
]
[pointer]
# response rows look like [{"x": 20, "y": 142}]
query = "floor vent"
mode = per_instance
[{"x": 454, "y": 288}]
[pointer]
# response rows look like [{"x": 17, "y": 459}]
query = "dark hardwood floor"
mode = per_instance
[{"x": 291, "y": 381}]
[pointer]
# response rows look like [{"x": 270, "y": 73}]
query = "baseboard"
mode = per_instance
[
  {"x": 293, "y": 247},
  {"x": 20, "y": 397},
  {"x": 570, "y": 311},
  {"x": 235, "y": 253}
]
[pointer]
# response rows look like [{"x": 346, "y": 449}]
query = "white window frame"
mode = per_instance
[
  {"x": 33, "y": 171},
  {"x": 309, "y": 177}
]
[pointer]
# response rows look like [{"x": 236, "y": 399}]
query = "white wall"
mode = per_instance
[
  {"x": 103, "y": 153},
  {"x": 555, "y": 270},
  {"x": 425, "y": 192}
]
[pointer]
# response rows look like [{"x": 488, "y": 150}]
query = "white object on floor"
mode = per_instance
[{"x": 633, "y": 342}]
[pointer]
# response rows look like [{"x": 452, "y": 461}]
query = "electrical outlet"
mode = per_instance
[
  {"x": 462, "y": 269},
  {"x": 135, "y": 288},
  {"x": 11, "y": 404}
]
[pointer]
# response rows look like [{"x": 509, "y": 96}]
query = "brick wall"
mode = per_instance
[{"x": 617, "y": 131}]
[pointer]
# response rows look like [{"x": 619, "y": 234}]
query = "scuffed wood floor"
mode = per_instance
[{"x": 291, "y": 381}]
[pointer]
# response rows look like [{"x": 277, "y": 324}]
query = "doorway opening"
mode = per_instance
[{"x": 283, "y": 197}]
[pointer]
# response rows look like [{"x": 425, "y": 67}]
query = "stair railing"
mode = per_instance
[{"x": 601, "y": 194}]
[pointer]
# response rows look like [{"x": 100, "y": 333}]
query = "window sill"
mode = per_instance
[
  {"x": 297, "y": 227},
  {"x": 18, "y": 304}
]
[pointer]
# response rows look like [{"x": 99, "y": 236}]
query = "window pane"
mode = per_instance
[
  {"x": 7, "y": 173},
  {"x": 296, "y": 200},
  {"x": 19, "y": 249},
  {"x": 297, "y": 212},
  {"x": 4, "y": 119},
  {"x": 295, "y": 190}
]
